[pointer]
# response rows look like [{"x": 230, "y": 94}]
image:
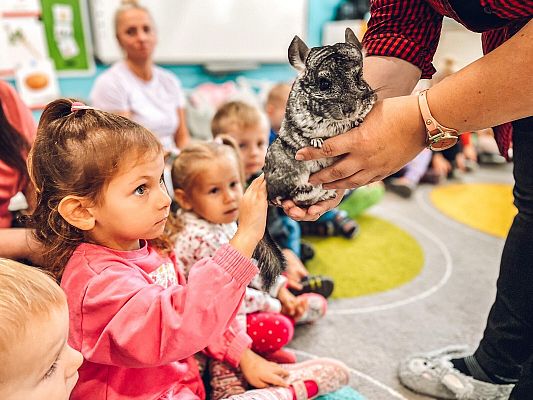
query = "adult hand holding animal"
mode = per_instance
[{"x": 393, "y": 132}]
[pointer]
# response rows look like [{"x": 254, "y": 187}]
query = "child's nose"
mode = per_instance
[
  {"x": 228, "y": 196},
  {"x": 75, "y": 359},
  {"x": 163, "y": 199}
]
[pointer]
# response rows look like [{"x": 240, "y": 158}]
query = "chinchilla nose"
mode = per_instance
[
  {"x": 337, "y": 112},
  {"x": 350, "y": 107}
]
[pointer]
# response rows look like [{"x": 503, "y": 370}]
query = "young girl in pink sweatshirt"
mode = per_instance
[{"x": 101, "y": 213}]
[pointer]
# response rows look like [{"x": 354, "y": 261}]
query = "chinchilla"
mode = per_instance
[{"x": 328, "y": 98}]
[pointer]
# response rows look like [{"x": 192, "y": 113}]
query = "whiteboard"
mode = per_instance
[{"x": 209, "y": 31}]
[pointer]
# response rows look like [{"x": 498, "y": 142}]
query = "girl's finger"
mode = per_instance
[{"x": 277, "y": 380}]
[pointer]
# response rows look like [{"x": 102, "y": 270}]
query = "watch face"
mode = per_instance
[{"x": 444, "y": 143}]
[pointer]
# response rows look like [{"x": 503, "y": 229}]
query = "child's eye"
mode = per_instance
[
  {"x": 140, "y": 190},
  {"x": 162, "y": 180},
  {"x": 214, "y": 191},
  {"x": 234, "y": 184},
  {"x": 242, "y": 145},
  {"x": 51, "y": 371}
]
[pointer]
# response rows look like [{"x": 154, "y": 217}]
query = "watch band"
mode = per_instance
[{"x": 436, "y": 132}]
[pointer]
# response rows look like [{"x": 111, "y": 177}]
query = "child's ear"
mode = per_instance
[
  {"x": 182, "y": 199},
  {"x": 76, "y": 212}
]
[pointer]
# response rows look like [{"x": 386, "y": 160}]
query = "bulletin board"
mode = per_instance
[
  {"x": 41, "y": 30},
  {"x": 67, "y": 33}
]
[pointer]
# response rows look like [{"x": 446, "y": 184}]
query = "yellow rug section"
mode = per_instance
[
  {"x": 380, "y": 258},
  {"x": 487, "y": 207}
]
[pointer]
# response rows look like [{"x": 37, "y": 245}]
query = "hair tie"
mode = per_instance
[{"x": 77, "y": 105}]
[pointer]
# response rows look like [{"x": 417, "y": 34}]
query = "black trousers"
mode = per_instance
[{"x": 506, "y": 349}]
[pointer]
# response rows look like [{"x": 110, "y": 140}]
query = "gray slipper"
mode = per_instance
[{"x": 433, "y": 374}]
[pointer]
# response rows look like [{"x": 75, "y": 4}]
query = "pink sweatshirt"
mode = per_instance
[{"x": 136, "y": 320}]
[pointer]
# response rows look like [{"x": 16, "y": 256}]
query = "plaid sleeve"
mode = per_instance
[{"x": 406, "y": 29}]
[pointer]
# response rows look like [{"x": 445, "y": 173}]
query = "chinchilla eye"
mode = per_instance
[{"x": 324, "y": 84}]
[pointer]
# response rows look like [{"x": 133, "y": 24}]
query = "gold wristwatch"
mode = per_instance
[{"x": 439, "y": 137}]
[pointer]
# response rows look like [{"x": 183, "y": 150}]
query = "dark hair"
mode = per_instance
[
  {"x": 77, "y": 153},
  {"x": 14, "y": 147}
]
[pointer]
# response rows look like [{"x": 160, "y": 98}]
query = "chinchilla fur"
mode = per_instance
[{"x": 328, "y": 98}]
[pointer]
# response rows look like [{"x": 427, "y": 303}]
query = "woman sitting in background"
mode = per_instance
[{"x": 137, "y": 88}]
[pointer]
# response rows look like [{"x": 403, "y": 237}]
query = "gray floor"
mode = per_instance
[{"x": 446, "y": 304}]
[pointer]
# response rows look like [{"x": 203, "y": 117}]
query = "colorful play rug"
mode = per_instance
[
  {"x": 381, "y": 257},
  {"x": 346, "y": 393},
  {"x": 487, "y": 207}
]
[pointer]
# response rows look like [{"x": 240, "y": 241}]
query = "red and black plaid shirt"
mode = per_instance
[{"x": 410, "y": 30}]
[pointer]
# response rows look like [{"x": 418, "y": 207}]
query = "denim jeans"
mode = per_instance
[{"x": 506, "y": 349}]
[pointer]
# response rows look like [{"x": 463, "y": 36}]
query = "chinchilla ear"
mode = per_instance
[
  {"x": 350, "y": 37},
  {"x": 298, "y": 52}
]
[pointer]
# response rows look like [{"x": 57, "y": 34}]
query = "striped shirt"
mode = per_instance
[{"x": 410, "y": 30}]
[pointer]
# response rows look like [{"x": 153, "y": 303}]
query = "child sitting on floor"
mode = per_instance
[
  {"x": 35, "y": 360},
  {"x": 101, "y": 212},
  {"x": 208, "y": 182},
  {"x": 248, "y": 126}
]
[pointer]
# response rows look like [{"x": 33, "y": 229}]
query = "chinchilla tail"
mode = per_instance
[{"x": 270, "y": 260}]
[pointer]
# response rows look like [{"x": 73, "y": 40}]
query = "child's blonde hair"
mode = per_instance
[
  {"x": 236, "y": 116},
  {"x": 189, "y": 162},
  {"x": 77, "y": 153},
  {"x": 278, "y": 94},
  {"x": 25, "y": 293}
]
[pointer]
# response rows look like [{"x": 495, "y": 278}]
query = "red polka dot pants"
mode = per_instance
[{"x": 269, "y": 331}]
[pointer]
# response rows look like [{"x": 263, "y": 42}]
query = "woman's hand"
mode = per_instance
[
  {"x": 252, "y": 217},
  {"x": 315, "y": 211},
  {"x": 391, "y": 135},
  {"x": 261, "y": 373}
]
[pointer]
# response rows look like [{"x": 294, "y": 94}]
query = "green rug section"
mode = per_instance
[
  {"x": 381, "y": 257},
  {"x": 486, "y": 207},
  {"x": 362, "y": 199}
]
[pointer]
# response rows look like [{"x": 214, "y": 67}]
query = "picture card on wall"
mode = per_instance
[{"x": 37, "y": 83}]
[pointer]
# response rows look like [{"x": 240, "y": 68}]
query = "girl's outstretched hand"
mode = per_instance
[
  {"x": 252, "y": 217},
  {"x": 261, "y": 373}
]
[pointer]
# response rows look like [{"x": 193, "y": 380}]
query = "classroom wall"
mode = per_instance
[{"x": 320, "y": 11}]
